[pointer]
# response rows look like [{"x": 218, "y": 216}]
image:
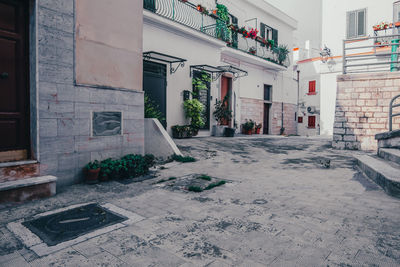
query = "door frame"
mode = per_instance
[
  {"x": 165, "y": 124},
  {"x": 28, "y": 18}
]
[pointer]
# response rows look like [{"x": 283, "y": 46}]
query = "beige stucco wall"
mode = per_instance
[{"x": 109, "y": 43}]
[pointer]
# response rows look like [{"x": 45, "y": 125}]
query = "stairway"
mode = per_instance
[
  {"x": 21, "y": 181},
  {"x": 384, "y": 168}
]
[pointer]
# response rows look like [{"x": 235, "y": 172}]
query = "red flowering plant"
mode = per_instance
[{"x": 252, "y": 33}]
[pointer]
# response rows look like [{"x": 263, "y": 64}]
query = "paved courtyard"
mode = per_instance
[{"x": 288, "y": 201}]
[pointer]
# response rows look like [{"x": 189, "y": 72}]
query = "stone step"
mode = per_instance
[
  {"x": 27, "y": 189},
  {"x": 385, "y": 174},
  {"x": 390, "y": 154},
  {"x": 17, "y": 170},
  {"x": 389, "y": 139}
]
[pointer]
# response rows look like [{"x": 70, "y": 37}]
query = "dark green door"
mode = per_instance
[{"x": 155, "y": 86}]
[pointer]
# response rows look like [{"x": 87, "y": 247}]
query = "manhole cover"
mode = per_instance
[{"x": 67, "y": 225}]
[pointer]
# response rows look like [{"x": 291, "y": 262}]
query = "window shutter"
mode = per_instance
[
  {"x": 311, "y": 121},
  {"x": 311, "y": 87},
  {"x": 361, "y": 23},
  {"x": 262, "y": 31},
  {"x": 275, "y": 36},
  {"x": 351, "y": 24}
]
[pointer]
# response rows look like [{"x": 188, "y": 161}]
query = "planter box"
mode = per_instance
[{"x": 218, "y": 130}]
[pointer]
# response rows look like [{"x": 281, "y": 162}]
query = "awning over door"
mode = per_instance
[
  {"x": 214, "y": 71},
  {"x": 171, "y": 60},
  {"x": 237, "y": 73}
]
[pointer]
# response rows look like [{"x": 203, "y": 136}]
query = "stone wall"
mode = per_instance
[
  {"x": 362, "y": 109},
  {"x": 65, "y": 141},
  {"x": 254, "y": 109},
  {"x": 289, "y": 122}
]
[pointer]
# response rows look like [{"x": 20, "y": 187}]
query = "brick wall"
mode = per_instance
[
  {"x": 254, "y": 109},
  {"x": 362, "y": 109},
  {"x": 65, "y": 143},
  {"x": 289, "y": 122}
]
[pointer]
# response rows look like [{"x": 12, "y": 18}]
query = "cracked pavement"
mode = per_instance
[{"x": 290, "y": 201}]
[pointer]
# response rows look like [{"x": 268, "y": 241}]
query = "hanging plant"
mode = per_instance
[
  {"x": 282, "y": 52},
  {"x": 222, "y": 12}
]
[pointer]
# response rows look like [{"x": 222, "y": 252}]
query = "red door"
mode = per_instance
[
  {"x": 14, "y": 133},
  {"x": 225, "y": 91}
]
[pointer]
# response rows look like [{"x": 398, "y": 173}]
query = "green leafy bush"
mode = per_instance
[
  {"x": 94, "y": 165},
  {"x": 222, "y": 112},
  {"x": 194, "y": 110},
  {"x": 196, "y": 189},
  {"x": 211, "y": 186},
  {"x": 151, "y": 110},
  {"x": 204, "y": 177}
]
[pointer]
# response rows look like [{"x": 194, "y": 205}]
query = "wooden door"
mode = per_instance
[
  {"x": 266, "y": 119},
  {"x": 225, "y": 91},
  {"x": 14, "y": 127}
]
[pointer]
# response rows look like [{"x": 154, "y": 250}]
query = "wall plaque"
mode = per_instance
[{"x": 107, "y": 123}]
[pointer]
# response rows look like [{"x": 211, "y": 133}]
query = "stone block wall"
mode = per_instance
[
  {"x": 289, "y": 122},
  {"x": 254, "y": 109},
  {"x": 65, "y": 142},
  {"x": 362, "y": 109}
]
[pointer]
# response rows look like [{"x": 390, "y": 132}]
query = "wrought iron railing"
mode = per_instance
[
  {"x": 380, "y": 54},
  {"x": 187, "y": 14},
  {"x": 391, "y": 115}
]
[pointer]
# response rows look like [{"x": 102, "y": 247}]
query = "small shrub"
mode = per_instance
[
  {"x": 196, "y": 189},
  {"x": 183, "y": 159},
  {"x": 211, "y": 186},
  {"x": 93, "y": 165},
  {"x": 171, "y": 178},
  {"x": 204, "y": 177}
]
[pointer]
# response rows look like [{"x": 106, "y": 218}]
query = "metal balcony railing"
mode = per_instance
[
  {"x": 187, "y": 14},
  {"x": 380, "y": 54},
  {"x": 391, "y": 115}
]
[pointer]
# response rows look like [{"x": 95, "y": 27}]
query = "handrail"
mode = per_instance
[{"x": 391, "y": 115}]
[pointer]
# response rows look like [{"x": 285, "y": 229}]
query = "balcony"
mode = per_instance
[
  {"x": 187, "y": 14},
  {"x": 190, "y": 15}
]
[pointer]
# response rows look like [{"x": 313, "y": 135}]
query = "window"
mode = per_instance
[
  {"x": 267, "y": 92},
  {"x": 356, "y": 23},
  {"x": 311, "y": 88},
  {"x": 269, "y": 33},
  {"x": 311, "y": 121},
  {"x": 300, "y": 119}
]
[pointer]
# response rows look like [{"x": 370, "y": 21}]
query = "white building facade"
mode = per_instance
[{"x": 177, "y": 35}]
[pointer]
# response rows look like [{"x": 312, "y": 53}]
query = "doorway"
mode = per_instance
[
  {"x": 267, "y": 108},
  {"x": 14, "y": 82},
  {"x": 226, "y": 91},
  {"x": 204, "y": 97},
  {"x": 155, "y": 86}
]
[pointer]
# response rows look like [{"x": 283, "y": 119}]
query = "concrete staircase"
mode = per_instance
[
  {"x": 20, "y": 181},
  {"x": 384, "y": 168}
]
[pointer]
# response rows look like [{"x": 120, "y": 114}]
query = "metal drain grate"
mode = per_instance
[{"x": 67, "y": 225}]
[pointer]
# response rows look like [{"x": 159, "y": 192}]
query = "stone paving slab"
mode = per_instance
[{"x": 284, "y": 207}]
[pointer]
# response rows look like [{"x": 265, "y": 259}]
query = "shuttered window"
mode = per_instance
[
  {"x": 311, "y": 87},
  {"x": 311, "y": 121},
  {"x": 356, "y": 23},
  {"x": 269, "y": 33}
]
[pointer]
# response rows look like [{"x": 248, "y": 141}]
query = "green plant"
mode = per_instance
[
  {"x": 211, "y": 186},
  {"x": 183, "y": 159},
  {"x": 204, "y": 177},
  {"x": 151, "y": 110},
  {"x": 223, "y": 13},
  {"x": 196, "y": 189},
  {"x": 94, "y": 165},
  {"x": 282, "y": 52},
  {"x": 200, "y": 82},
  {"x": 222, "y": 113},
  {"x": 194, "y": 110},
  {"x": 258, "y": 126},
  {"x": 248, "y": 125}
]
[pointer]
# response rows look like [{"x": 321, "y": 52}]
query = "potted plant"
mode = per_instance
[
  {"x": 282, "y": 52},
  {"x": 92, "y": 172},
  {"x": 222, "y": 115},
  {"x": 258, "y": 128},
  {"x": 106, "y": 169},
  {"x": 252, "y": 50},
  {"x": 248, "y": 126},
  {"x": 184, "y": 131},
  {"x": 252, "y": 33},
  {"x": 229, "y": 132}
]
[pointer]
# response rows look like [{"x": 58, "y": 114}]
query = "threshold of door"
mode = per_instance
[
  {"x": 13, "y": 155},
  {"x": 17, "y": 163}
]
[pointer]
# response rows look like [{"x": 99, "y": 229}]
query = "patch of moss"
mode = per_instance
[
  {"x": 204, "y": 177},
  {"x": 171, "y": 178},
  {"x": 196, "y": 189},
  {"x": 183, "y": 159},
  {"x": 211, "y": 186}
]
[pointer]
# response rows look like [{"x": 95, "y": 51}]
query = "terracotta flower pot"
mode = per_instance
[
  {"x": 258, "y": 130},
  {"x": 248, "y": 132},
  {"x": 92, "y": 176}
]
